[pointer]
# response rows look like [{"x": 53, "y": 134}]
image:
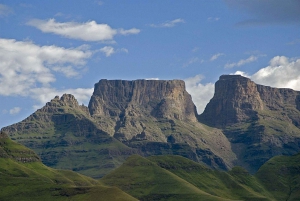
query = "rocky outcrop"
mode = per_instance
[
  {"x": 237, "y": 99},
  {"x": 160, "y": 98},
  {"x": 260, "y": 121}
]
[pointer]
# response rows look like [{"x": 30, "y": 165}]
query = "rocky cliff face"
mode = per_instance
[
  {"x": 237, "y": 99},
  {"x": 260, "y": 121},
  {"x": 157, "y": 117},
  {"x": 160, "y": 98}
]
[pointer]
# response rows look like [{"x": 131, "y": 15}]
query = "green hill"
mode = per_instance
[
  {"x": 24, "y": 177},
  {"x": 281, "y": 176},
  {"x": 178, "y": 178},
  {"x": 145, "y": 180}
]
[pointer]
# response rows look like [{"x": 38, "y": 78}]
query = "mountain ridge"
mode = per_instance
[{"x": 244, "y": 124}]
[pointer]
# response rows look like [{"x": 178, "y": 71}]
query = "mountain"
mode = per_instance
[
  {"x": 259, "y": 121},
  {"x": 65, "y": 136},
  {"x": 244, "y": 124},
  {"x": 145, "y": 117},
  {"x": 158, "y": 117},
  {"x": 24, "y": 177}
]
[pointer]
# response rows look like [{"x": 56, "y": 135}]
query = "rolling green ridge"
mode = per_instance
[
  {"x": 24, "y": 177},
  {"x": 168, "y": 177},
  {"x": 177, "y": 178}
]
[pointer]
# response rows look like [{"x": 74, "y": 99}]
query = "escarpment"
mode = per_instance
[
  {"x": 160, "y": 98},
  {"x": 260, "y": 121}
]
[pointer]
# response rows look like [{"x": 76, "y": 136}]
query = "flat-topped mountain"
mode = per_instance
[
  {"x": 260, "y": 121},
  {"x": 237, "y": 99},
  {"x": 160, "y": 98}
]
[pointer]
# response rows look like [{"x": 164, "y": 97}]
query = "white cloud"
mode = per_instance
[
  {"x": 201, "y": 93},
  {"x": 107, "y": 50},
  {"x": 282, "y": 72},
  {"x": 68, "y": 71},
  {"x": 169, "y": 24},
  {"x": 152, "y": 78},
  {"x": 14, "y": 110},
  {"x": 5, "y": 10},
  {"x": 26, "y": 68},
  {"x": 129, "y": 31},
  {"x": 241, "y": 73},
  {"x": 88, "y": 31},
  {"x": 242, "y": 62},
  {"x": 216, "y": 56}
]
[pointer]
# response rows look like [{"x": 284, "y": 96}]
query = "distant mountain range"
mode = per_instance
[{"x": 244, "y": 124}]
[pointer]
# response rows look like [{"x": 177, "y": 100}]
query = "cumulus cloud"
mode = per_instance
[
  {"x": 268, "y": 11},
  {"x": 169, "y": 24},
  {"x": 201, "y": 93},
  {"x": 242, "y": 62},
  {"x": 5, "y": 10},
  {"x": 14, "y": 110},
  {"x": 282, "y": 72},
  {"x": 88, "y": 31},
  {"x": 216, "y": 56},
  {"x": 26, "y": 67}
]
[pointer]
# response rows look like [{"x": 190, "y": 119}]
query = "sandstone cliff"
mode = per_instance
[
  {"x": 260, "y": 121},
  {"x": 157, "y": 117}
]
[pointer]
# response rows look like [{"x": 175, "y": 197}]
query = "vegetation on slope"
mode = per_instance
[{"x": 24, "y": 177}]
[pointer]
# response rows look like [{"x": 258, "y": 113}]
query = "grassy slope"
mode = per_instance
[
  {"x": 35, "y": 181},
  {"x": 236, "y": 184},
  {"x": 178, "y": 178},
  {"x": 145, "y": 180},
  {"x": 71, "y": 140},
  {"x": 281, "y": 177}
]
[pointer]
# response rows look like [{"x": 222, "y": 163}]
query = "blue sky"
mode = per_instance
[{"x": 48, "y": 48}]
